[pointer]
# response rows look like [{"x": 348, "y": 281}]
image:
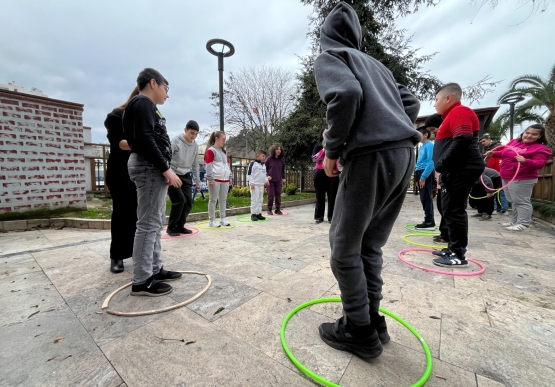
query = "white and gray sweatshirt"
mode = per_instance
[
  {"x": 256, "y": 173},
  {"x": 185, "y": 157}
]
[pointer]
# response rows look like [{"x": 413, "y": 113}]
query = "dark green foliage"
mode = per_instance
[
  {"x": 290, "y": 189},
  {"x": 240, "y": 192}
]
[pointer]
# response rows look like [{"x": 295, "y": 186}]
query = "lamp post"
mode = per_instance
[
  {"x": 512, "y": 102},
  {"x": 221, "y": 55}
]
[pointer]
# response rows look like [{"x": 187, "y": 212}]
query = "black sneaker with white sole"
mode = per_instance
[
  {"x": 166, "y": 275},
  {"x": 451, "y": 260},
  {"x": 442, "y": 252},
  {"x": 151, "y": 288}
]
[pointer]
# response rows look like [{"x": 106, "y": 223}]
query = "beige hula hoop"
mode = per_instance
[{"x": 154, "y": 311}]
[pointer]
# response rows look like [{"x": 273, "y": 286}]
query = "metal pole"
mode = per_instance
[
  {"x": 221, "y": 73},
  {"x": 511, "y": 118}
]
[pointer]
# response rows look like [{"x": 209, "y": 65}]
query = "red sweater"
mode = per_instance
[{"x": 456, "y": 144}]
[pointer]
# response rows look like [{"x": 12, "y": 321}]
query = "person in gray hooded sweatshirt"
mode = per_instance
[
  {"x": 370, "y": 119},
  {"x": 185, "y": 165}
]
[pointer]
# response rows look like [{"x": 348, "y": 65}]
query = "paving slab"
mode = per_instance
[
  {"x": 142, "y": 359},
  {"x": 53, "y": 349}
]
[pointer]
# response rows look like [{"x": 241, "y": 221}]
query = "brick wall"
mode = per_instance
[{"x": 42, "y": 161}]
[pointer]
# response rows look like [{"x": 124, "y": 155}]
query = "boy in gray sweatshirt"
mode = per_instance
[
  {"x": 184, "y": 163},
  {"x": 370, "y": 119}
]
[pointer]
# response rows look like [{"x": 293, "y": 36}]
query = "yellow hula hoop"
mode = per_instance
[{"x": 405, "y": 238}]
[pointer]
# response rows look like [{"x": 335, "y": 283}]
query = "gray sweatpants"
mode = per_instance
[
  {"x": 218, "y": 193},
  {"x": 372, "y": 188},
  {"x": 519, "y": 193}
]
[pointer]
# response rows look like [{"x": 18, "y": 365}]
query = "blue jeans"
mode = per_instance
[
  {"x": 426, "y": 196},
  {"x": 504, "y": 202},
  {"x": 151, "y": 216}
]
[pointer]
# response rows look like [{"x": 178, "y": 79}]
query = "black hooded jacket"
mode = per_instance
[{"x": 367, "y": 110}]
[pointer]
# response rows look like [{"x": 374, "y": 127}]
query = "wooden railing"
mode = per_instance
[
  {"x": 239, "y": 173},
  {"x": 544, "y": 190}
]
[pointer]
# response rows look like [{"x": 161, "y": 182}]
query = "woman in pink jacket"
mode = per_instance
[{"x": 528, "y": 151}]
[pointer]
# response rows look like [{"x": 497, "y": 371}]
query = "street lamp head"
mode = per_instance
[
  {"x": 224, "y": 43},
  {"x": 512, "y": 100}
]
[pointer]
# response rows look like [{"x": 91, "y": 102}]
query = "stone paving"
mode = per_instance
[{"x": 492, "y": 330}]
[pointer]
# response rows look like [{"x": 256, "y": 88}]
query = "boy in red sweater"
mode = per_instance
[{"x": 458, "y": 159}]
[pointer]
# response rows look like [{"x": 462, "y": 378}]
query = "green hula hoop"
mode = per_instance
[
  {"x": 247, "y": 219},
  {"x": 410, "y": 227},
  {"x": 405, "y": 238},
  {"x": 204, "y": 225},
  {"x": 498, "y": 193},
  {"x": 326, "y": 382}
]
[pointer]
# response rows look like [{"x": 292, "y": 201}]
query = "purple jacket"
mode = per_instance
[
  {"x": 536, "y": 155},
  {"x": 275, "y": 168}
]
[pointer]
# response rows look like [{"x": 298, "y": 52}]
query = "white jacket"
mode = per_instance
[
  {"x": 256, "y": 173},
  {"x": 218, "y": 169}
]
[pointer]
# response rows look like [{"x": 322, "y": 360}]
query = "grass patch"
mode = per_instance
[
  {"x": 105, "y": 210},
  {"x": 41, "y": 213},
  {"x": 546, "y": 209}
]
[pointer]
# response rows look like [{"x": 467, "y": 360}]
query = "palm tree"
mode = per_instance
[{"x": 539, "y": 95}]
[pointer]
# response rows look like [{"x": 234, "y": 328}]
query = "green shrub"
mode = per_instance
[
  {"x": 240, "y": 192},
  {"x": 290, "y": 189}
]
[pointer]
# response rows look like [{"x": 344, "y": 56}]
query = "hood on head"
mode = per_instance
[{"x": 341, "y": 29}]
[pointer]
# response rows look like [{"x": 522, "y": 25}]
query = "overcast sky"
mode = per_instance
[{"x": 90, "y": 52}]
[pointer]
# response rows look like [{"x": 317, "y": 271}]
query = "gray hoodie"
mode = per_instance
[
  {"x": 185, "y": 157},
  {"x": 367, "y": 110}
]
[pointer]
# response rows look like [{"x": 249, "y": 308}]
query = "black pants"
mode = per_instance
[
  {"x": 426, "y": 196},
  {"x": 443, "y": 232},
  {"x": 485, "y": 205},
  {"x": 124, "y": 212},
  {"x": 455, "y": 187},
  {"x": 182, "y": 202},
  {"x": 372, "y": 189},
  {"x": 324, "y": 185}
]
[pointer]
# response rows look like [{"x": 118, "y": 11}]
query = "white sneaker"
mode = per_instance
[
  {"x": 509, "y": 224},
  {"x": 517, "y": 227},
  {"x": 214, "y": 224},
  {"x": 224, "y": 222}
]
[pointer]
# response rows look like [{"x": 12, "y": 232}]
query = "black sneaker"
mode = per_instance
[
  {"x": 442, "y": 252},
  {"x": 451, "y": 260},
  {"x": 172, "y": 232},
  {"x": 185, "y": 231},
  {"x": 260, "y": 217},
  {"x": 318, "y": 221},
  {"x": 278, "y": 212},
  {"x": 341, "y": 335},
  {"x": 254, "y": 218},
  {"x": 440, "y": 239},
  {"x": 270, "y": 212},
  {"x": 485, "y": 217},
  {"x": 151, "y": 288},
  {"x": 379, "y": 322},
  {"x": 425, "y": 226},
  {"x": 166, "y": 275},
  {"x": 477, "y": 215}
]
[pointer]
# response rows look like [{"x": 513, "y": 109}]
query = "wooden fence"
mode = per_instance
[
  {"x": 239, "y": 173},
  {"x": 544, "y": 191}
]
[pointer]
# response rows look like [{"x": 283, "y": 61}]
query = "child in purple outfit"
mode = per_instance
[{"x": 275, "y": 169}]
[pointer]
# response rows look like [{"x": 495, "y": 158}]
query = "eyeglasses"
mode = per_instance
[{"x": 166, "y": 87}]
